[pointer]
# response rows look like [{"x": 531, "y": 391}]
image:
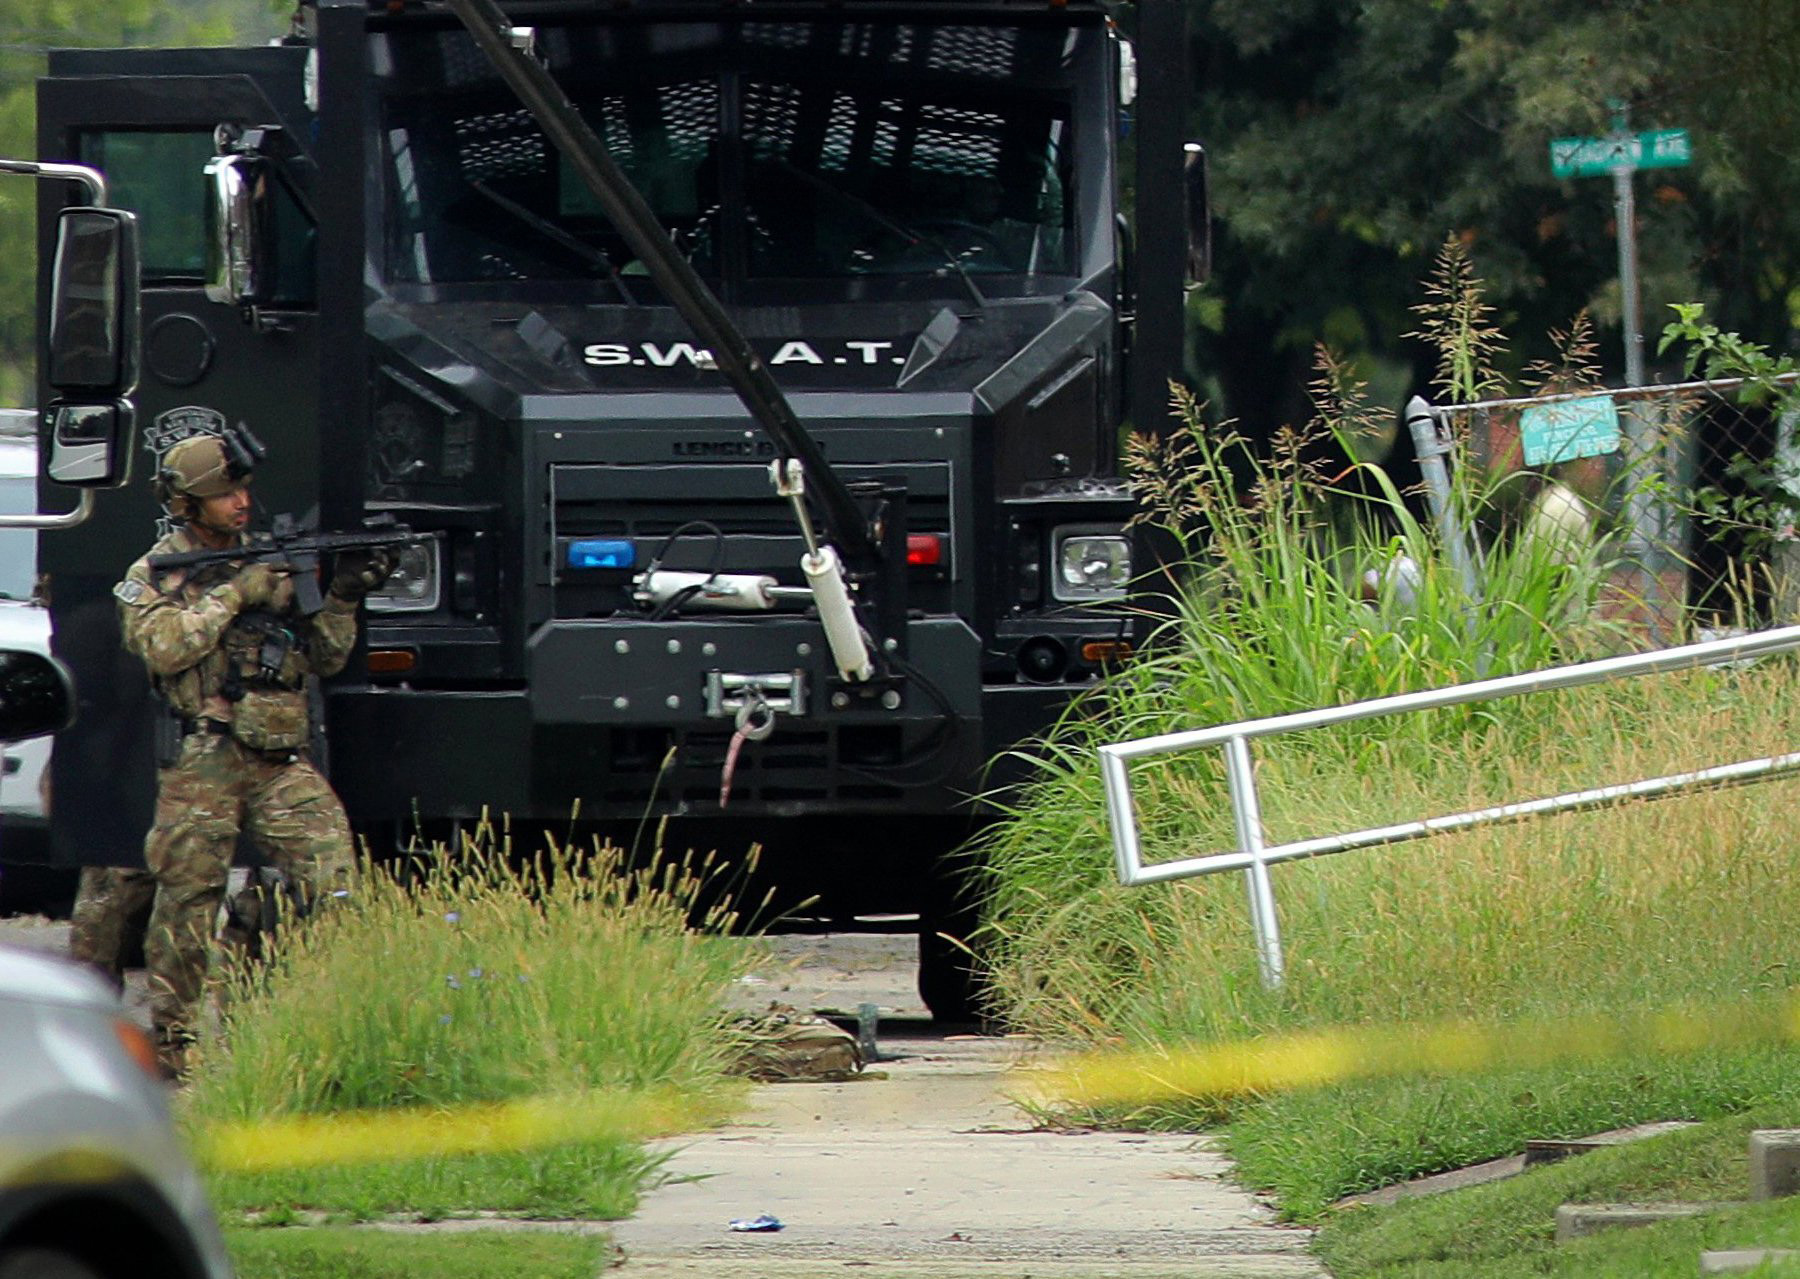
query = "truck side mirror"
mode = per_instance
[
  {"x": 90, "y": 444},
  {"x": 1197, "y": 214},
  {"x": 36, "y": 695},
  {"x": 239, "y": 229},
  {"x": 93, "y": 330}
]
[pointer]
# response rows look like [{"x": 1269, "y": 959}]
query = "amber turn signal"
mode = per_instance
[
  {"x": 1099, "y": 652},
  {"x": 392, "y": 661}
]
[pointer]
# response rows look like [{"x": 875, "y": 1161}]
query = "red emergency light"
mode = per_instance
[{"x": 925, "y": 549}]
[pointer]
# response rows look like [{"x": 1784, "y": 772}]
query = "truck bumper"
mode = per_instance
[{"x": 629, "y": 717}]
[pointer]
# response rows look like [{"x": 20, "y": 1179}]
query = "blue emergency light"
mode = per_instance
[{"x": 601, "y": 552}]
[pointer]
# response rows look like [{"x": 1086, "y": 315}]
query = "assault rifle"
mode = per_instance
[{"x": 290, "y": 544}]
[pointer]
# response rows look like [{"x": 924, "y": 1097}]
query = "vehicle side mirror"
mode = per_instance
[
  {"x": 239, "y": 229},
  {"x": 93, "y": 331},
  {"x": 1197, "y": 214},
  {"x": 90, "y": 444},
  {"x": 37, "y": 695}
]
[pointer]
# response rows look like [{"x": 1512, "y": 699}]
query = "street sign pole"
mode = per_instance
[
  {"x": 1625, "y": 214},
  {"x": 1649, "y": 527},
  {"x": 1643, "y": 516}
]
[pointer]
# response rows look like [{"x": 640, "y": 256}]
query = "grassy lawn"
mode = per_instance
[
  {"x": 1316, "y": 1146},
  {"x": 597, "y": 1180},
  {"x": 344, "y": 1253},
  {"x": 1507, "y": 1228}
]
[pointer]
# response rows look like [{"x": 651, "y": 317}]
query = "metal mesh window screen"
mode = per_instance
[
  {"x": 840, "y": 133},
  {"x": 607, "y": 116},
  {"x": 770, "y": 115},
  {"x": 894, "y": 123},
  {"x": 503, "y": 144},
  {"x": 777, "y": 35},
  {"x": 690, "y": 116},
  {"x": 975, "y": 51},
  {"x": 887, "y": 133},
  {"x": 962, "y": 142}
]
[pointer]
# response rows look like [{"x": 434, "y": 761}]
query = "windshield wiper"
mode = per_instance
[
  {"x": 888, "y": 223},
  {"x": 556, "y": 235}
]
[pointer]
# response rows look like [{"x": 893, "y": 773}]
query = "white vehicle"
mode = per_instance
[
  {"x": 93, "y": 1182},
  {"x": 24, "y": 624}
]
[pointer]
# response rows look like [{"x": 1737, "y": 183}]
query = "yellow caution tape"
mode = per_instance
[
  {"x": 377, "y": 1136},
  {"x": 1279, "y": 1063}
]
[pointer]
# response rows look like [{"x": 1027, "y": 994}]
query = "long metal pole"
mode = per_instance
[
  {"x": 1736, "y": 648},
  {"x": 1625, "y": 214},
  {"x": 1247, "y": 812},
  {"x": 1430, "y": 446},
  {"x": 1739, "y": 773},
  {"x": 1643, "y": 514}
]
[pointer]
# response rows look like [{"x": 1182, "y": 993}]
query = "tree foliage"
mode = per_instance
[{"x": 1348, "y": 141}]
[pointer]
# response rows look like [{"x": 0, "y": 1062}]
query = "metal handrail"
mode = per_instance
[
  {"x": 1254, "y": 856},
  {"x": 1649, "y": 391}
]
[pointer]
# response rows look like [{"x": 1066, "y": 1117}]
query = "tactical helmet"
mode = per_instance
[{"x": 198, "y": 467}]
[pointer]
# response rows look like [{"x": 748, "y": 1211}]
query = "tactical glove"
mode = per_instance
[
  {"x": 260, "y": 586},
  {"x": 356, "y": 573}
]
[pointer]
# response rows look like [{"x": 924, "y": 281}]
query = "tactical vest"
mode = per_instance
[{"x": 265, "y": 680}]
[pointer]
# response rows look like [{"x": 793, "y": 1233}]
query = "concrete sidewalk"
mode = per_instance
[{"x": 931, "y": 1172}]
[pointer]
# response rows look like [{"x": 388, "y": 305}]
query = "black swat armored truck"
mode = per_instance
[{"x": 792, "y": 569}]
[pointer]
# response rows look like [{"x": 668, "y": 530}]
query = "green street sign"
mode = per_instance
[
  {"x": 1664, "y": 149},
  {"x": 1567, "y": 429},
  {"x": 1595, "y": 157}
]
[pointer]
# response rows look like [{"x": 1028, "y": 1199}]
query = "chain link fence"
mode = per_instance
[{"x": 1691, "y": 490}]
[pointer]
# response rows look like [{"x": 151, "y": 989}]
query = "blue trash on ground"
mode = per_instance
[{"x": 760, "y": 1224}]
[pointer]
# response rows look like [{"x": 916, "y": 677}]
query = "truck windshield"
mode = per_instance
[{"x": 815, "y": 150}]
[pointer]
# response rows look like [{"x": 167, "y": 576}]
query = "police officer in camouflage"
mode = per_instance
[
  {"x": 109, "y": 901},
  {"x": 231, "y": 658}
]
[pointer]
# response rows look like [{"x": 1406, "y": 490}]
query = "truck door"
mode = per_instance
[{"x": 147, "y": 119}]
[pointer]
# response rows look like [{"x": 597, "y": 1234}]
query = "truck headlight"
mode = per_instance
[
  {"x": 413, "y": 586},
  {"x": 1090, "y": 566}
]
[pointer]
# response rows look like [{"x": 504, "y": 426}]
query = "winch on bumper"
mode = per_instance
[
  {"x": 756, "y": 716},
  {"x": 699, "y": 673}
]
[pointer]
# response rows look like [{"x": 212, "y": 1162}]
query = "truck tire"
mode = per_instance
[
  {"x": 952, "y": 980},
  {"x": 949, "y": 981}
]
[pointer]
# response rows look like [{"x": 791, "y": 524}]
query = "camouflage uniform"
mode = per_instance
[
  {"x": 108, "y": 900},
  {"x": 242, "y": 763}
]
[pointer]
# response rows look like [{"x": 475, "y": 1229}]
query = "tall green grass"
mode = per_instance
[
  {"x": 1274, "y": 620},
  {"x": 1642, "y": 906},
  {"x": 478, "y": 975},
  {"x": 1679, "y": 899},
  {"x": 496, "y": 973}
]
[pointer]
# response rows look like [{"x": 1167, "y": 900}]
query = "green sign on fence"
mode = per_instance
[
  {"x": 1568, "y": 429},
  {"x": 1593, "y": 157}
]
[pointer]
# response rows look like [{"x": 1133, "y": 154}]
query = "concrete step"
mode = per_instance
[
  {"x": 1735, "y": 1261},
  {"x": 1774, "y": 1163},
  {"x": 1578, "y": 1221}
]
